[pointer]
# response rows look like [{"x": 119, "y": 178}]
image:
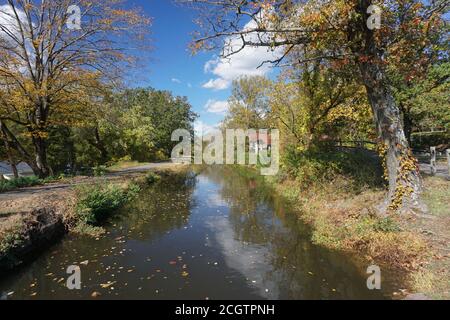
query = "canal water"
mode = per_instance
[{"x": 217, "y": 234}]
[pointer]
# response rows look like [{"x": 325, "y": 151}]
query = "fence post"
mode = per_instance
[
  {"x": 448, "y": 160},
  {"x": 433, "y": 161}
]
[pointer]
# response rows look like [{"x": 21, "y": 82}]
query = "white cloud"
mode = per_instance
[
  {"x": 214, "y": 106},
  {"x": 244, "y": 62},
  {"x": 249, "y": 259},
  {"x": 217, "y": 84},
  {"x": 176, "y": 80},
  {"x": 11, "y": 30},
  {"x": 202, "y": 129}
]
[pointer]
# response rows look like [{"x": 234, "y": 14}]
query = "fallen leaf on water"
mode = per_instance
[
  {"x": 184, "y": 274},
  {"x": 95, "y": 294},
  {"x": 107, "y": 285}
]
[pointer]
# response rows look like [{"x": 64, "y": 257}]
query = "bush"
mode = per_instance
[
  {"x": 99, "y": 171},
  {"x": 8, "y": 185},
  {"x": 152, "y": 177},
  {"x": 97, "y": 202},
  {"x": 423, "y": 141},
  {"x": 320, "y": 166}
]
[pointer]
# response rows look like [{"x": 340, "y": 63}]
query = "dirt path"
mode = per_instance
[
  {"x": 43, "y": 196},
  {"x": 60, "y": 187}
]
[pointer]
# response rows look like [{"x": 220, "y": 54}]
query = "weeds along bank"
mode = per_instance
[
  {"x": 81, "y": 210},
  {"x": 337, "y": 193}
]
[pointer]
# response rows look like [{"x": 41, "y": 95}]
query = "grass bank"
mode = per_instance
[
  {"x": 337, "y": 195},
  {"x": 433, "y": 276},
  {"x": 80, "y": 210}
]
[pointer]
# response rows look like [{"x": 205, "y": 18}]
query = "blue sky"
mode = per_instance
[{"x": 174, "y": 68}]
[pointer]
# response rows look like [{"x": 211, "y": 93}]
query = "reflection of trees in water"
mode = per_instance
[
  {"x": 310, "y": 272},
  {"x": 161, "y": 208},
  {"x": 300, "y": 269}
]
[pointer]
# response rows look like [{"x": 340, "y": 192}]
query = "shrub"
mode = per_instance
[
  {"x": 97, "y": 202},
  {"x": 318, "y": 166},
  {"x": 152, "y": 177},
  {"x": 8, "y": 185},
  {"x": 423, "y": 141},
  {"x": 99, "y": 171},
  {"x": 11, "y": 236}
]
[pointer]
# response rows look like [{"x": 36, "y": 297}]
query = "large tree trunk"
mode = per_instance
[
  {"x": 402, "y": 170},
  {"x": 14, "y": 168},
  {"x": 36, "y": 162},
  {"x": 100, "y": 146},
  {"x": 403, "y": 173},
  {"x": 41, "y": 167},
  {"x": 408, "y": 124}
]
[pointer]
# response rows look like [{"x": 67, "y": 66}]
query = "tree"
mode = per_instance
[
  {"x": 47, "y": 67},
  {"x": 146, "y": 119},
  {"x": 417, "y": 66},
  {"x": 133, "y": 123},
  {"x": 424, "y": 102},
  {"x": 331, "y": 31},
  {"x": 7, "y": 152},
  {"x": 316, "y": 103},
  {"x": 249, "y": 104}
]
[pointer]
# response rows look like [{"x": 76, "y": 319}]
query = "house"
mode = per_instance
[
  {"x": 23, "y": 169},
  {"x": 260, "y": 142}
]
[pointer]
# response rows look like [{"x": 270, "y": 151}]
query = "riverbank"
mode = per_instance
[
  {"x": 32, "y": 220},
  {"x": 344, "y": 220}
]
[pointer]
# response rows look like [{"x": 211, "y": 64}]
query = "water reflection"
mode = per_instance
[
  {"x": 216, "y": 235},
  {"x": 266, "y": 242}
]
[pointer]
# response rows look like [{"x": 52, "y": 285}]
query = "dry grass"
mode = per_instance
[
  {"x": 437, "y": 196},
  {"x": 346, "y": 221},
  {"x": 433, "y": 276},
  {"x": 342, "y": 220}
]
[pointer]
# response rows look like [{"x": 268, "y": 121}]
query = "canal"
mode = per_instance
[{"x": 215, "y": 234}]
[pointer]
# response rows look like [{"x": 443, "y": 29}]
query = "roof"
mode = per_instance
[{"x": 260, "y": 137}]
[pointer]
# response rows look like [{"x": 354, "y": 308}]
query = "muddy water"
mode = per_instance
[{"x": 215, "y": 235}]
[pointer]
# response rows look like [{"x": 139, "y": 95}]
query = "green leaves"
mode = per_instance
[{"x": 96, "y": 202}]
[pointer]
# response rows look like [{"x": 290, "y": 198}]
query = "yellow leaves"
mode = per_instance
[{"x": 108, "y": 284}]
